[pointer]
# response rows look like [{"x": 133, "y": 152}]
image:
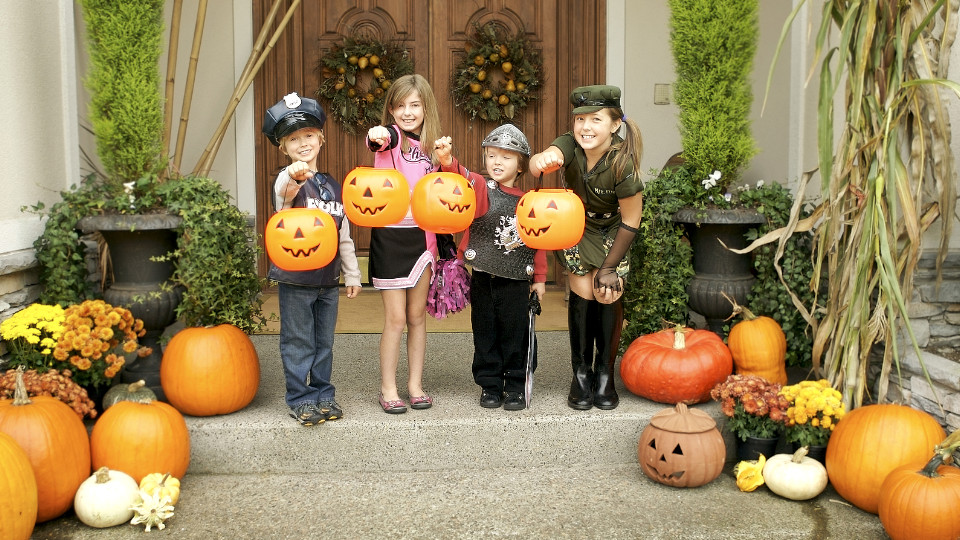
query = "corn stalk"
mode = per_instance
[{"x": 886, "y": 176}]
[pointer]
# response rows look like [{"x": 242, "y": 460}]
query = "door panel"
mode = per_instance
[{"x": 569, "y": 33}]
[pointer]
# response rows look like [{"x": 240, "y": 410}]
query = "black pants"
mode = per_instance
[{"x": 500, "y": 316}]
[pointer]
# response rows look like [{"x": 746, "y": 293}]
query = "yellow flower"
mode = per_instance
[{"x": 750, "y": 474}]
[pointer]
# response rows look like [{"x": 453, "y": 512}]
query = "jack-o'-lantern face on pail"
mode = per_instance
[
  {"x": 550, "y": 219},
  {"x": 301, "y": 239},
  {"x": 443, "y": 202},
  {"x": 375, "y": 197}
]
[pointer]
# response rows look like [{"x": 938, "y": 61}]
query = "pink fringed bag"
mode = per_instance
[{"x": 450, "y": 284}]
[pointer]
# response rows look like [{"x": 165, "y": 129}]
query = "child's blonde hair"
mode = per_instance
[{"x": 401, "y": 90}]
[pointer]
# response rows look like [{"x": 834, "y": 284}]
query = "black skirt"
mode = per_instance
[{"x": 398, "y": 256}]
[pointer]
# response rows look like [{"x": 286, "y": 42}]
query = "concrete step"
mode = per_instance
[
  {"x": 456, "y": 470},
  {"x": 456, "y": 433},
  {"x": 607, "y": 502}
]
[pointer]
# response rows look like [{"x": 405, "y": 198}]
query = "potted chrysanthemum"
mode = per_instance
[
  {"x": 756, "y": 413},
  {"x": 815, "y": 407}
]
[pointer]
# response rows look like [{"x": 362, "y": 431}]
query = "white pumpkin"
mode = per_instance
[
  {"x": 795, "y": 477},
  {"x": 105, "y": 499}
]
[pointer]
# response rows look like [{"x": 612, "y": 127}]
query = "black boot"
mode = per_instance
[
  {"x": 581, "y": 346},
  {"x": 608, "y": 342}
]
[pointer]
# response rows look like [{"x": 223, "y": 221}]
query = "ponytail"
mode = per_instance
[{"x": 631, "y": 148}]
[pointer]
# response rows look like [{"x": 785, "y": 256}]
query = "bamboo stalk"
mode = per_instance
[
  {"x": 191, "y": 79},
  {"x": 171, "y": 77},
  {"x": 257, "y": 57}
]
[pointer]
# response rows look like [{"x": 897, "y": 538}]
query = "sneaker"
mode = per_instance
[
  {"x": 307, "y": 414},
  {"x": 513, "y": 401},
  {"x": 330, "y": 410},
  {"x": 491, "y": 399}
]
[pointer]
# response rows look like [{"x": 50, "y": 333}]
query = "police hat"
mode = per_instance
[
  {"x": 588, "y": 99},
  {"x": 290, "y": 114}
]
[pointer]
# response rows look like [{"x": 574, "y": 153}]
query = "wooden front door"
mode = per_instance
[{"x": 570, "y": 35}]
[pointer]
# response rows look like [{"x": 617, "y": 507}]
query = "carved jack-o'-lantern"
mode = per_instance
[
  {"x": 681, "y": 447},
  {"x": 301, "y": 239},
  {"x": 375, "y": 197},
  {"x": 443, "y": 202},
  {"x": 550, "y": 219}
]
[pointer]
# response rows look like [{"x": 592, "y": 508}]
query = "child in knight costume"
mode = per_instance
[
  {"x": 600, "y": 167},
  {"x": 505, "y": 271}
]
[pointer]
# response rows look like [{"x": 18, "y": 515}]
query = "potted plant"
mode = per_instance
[
  {"x": 756, "y": 413},
  {"x": 815, "y": 408},
  {"x": 89, "y": 342},
  {"x": 713, "y": 44},
  {"x": 658, "y": 290},
  {"x": 195, "y": 255}
]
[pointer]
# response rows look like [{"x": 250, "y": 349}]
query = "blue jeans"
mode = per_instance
[{"x": 308, "y": 319}]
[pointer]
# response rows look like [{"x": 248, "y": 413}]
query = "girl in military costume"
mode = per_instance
[
  {"x": 505, "y": 271},
  {"x": 600, "y": 167}
]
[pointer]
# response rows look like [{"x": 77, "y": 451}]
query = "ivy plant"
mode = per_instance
[
  {"x": 660, "y": 259},
  {"x": 768, "y": 295}
]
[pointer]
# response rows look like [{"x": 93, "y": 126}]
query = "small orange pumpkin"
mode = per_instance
[
  {"x": 758, "y": 345},
  {"x": 920, "y": 501},
  {"x": 550, "y": 219},
  {"x": 56, "y": 443},
  {"x": 139, "y": 438},
  {"x": 443, "y": 202},
  {"x": 374, "y": 197},
  {"x": 677, "y": 365},
  {"x": 870, "y": 441},
  {"x": 210, "y": 370},
  {"x": 18, "y": 491},
  {"x": 301, "y": 239}
]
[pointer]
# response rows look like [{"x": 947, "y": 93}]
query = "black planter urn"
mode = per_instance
[
  {"x": 717, "y": 269},
  {"x": 139, "y": 283}
]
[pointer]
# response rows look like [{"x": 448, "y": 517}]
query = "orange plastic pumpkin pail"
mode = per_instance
[
  {"x": 301, "y": 239},
  {"x": 443, "y": 202},
  {"x": 550, "y": 219},
  {"x": 374, "y": 197}
]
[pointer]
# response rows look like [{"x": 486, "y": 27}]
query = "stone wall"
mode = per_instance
[{"x": 935, "y": 318}]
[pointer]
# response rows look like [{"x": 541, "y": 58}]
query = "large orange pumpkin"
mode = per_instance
[
  {"x": 140, "y": 438},
  {"x": 920, "y": 500},
  {"x": 210, "y": 370},
  {"x": 301, "y": 239},
  {"x": 18, "y": 491},
  {"x": 56, "y": 442},
  {"x": 375, "y": 197},
  {"x": 676, "y": 365},
  {"x": 759, "y": 346},
  {"x": 873, "y": 440},
  {"x": 550, "y": 219},
  {"x": 443, "y": 202}
]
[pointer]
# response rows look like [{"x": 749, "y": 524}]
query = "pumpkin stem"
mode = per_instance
[
  {"x": 103, "y": 475},
  {"x": 163, "y": 481},
  {"x": 800, "y": 454},
  {"x": 681, "y": 408},
  {"x": 930, "y": 469},
  {"x": 679, "y": 337},
  {"x": 20, "y": 395},
  {"x": 135, "y": 386},
  {"x": 738, "y": 309}
]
